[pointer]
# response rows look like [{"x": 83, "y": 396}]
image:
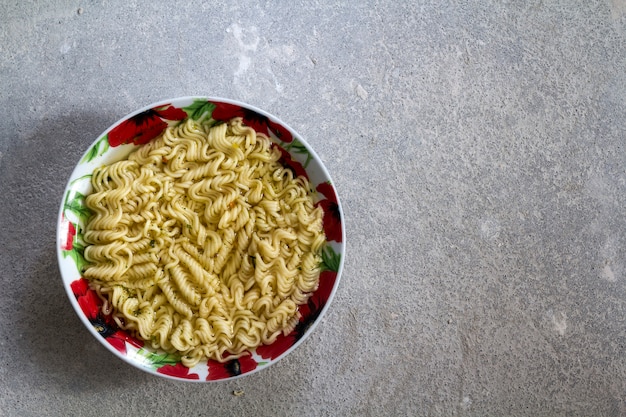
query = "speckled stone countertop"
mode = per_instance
[{"x": 479, "y": 153}]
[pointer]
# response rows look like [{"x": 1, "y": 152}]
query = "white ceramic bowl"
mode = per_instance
[{"x": 115, "y": 144}]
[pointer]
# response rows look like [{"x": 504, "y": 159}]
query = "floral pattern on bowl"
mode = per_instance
[{"x": 139, "y": 128}]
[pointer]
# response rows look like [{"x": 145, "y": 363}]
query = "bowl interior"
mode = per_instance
[{"x": 115, "y": 144}]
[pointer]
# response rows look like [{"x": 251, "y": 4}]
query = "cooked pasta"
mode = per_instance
[{"x": 202, "y": 242}]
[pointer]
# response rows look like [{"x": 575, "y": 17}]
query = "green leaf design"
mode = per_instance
[
  {"x": 158, "y": 360},
  {"x": 77, "y": 256},
  {"x": 330, "y": 259},
  {"x": 77, "y": 206},
  {"x": 79, "y": 245},
  {"x": 298, "y": 147},
  {"x": 74, "y": 181},
  {"x": 98, "y": 149},
  {"x": 79, "y": 242},
  {"x": 200, "y": 109}
]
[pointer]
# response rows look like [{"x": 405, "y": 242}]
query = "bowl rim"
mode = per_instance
[{"x": 66, "y": 281}]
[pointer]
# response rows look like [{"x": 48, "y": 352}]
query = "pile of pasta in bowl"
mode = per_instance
[{"x": 200, "y": 239}]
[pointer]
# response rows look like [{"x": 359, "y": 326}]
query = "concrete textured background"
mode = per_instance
[{"x": 479, "y": 152}]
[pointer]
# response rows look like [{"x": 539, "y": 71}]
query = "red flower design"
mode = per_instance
[
  {"x": 219, "y": 370},
  {"x": 332, "y": 217},
  {"x": 71, "y": 232},
  {"x": 286, "y": 160},
  {"x": 87, "y": 298},
  {"x": 309, "y": 314},
  {"x": 79, "y": 287},
  {"x": 118, "y": 344},
  {"x": 119, "y": 338},
  {"x": 179, "y": 371},
  {"x": 318, "y": 300},
  {"x": 280, "y": 346},
  {"x": 145, "y": 126},
  {"x": 259, "y": 122},
  {"x": 91, "y": 304}
]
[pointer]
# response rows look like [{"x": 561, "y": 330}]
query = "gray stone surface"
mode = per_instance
[{"x": 479, "y": 152}]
